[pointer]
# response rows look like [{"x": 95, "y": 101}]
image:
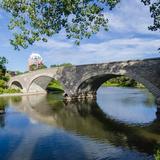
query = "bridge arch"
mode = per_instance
[
  {"x": 16, "y": 85},
  {"x": 90, "y": 85},
  {"x": 39, "y": 83}
]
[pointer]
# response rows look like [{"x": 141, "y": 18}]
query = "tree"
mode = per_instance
[
  {"x": 35, "y": 20},
  {"x": 155, "y": 14},
  {"x": 62, "y": 65},
  {"x": 3, "y": 62},
  {"x": 34, "y": 67}
]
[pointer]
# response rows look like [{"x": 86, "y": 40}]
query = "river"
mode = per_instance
[{"x": 122, "y": 124}]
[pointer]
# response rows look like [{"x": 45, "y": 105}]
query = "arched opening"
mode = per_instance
[
  {"x": 45, "y": 84},
  {"x": 16, "y": 85},
  {"x": 93, "y": 83},
  {"x": 122, "y": 98}
]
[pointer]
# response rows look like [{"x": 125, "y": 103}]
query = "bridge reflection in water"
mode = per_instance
[{"x": 86, "y": 118}]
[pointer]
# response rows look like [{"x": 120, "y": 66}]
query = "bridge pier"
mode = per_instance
[
  {"x": 158, "y": 113},
  {"x": 158, "y": 101},
  {"x": 158, "y": 108},
  {"x": 81, "y": 96}
]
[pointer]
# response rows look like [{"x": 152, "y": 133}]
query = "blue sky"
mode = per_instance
[{"x": 128, "y": 38}]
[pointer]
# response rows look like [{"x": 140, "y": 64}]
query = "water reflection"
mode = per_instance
[
  {"x": 158, "y": 113},
  {"x": 127, "y": 105},
  {"x": 3, "y": 105},
  {"x": 88, "y": 119},
  {"x": 123, "y": 124}
]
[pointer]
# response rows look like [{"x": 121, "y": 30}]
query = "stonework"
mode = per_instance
[{"x": 83, "y": 81}]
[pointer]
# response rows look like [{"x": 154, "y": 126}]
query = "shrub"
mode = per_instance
[
  {"x": 157, "y": 155},
  {"x": 5, "y": 78},
  {"x": 1, "y": 90},
  {"x": 2, "y": 84},
  {"x": 55, "y": 86},
  {"x": 11, "y": 90},
  {"x": 8, "y": 90}
]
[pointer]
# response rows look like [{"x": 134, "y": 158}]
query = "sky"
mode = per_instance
[{"x": 128, "y": 38}]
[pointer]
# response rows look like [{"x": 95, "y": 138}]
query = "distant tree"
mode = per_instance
[
  {"x": 34, "y": 67},
  {"x": 60, "y": 65},
  {"x": 3, "y": 62},
  {"x": 42, "y": 66},
  {"x": 18, "y": 72},
  {"x": 123, "y": 81},
  {"x": 2, "y": 84}
]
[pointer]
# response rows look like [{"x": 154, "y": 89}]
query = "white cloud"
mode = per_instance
[
  {"x": 111, "y": 50},
  {"x": 54, "y": 44},
  {"x": 128, "y": 22},
  {"x": 129, "y": 18}
]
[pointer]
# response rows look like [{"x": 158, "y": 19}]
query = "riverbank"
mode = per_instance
[
  {"x": 20, "y": 94},
  {"x": 109, "y": 84},
  {"x": 123, "y": 81}
]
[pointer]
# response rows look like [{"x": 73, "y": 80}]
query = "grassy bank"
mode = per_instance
[
  {"x": 4, "y": 88},
  {"x": 122, "y": 82},
  {"x": 55, "y": 86}
]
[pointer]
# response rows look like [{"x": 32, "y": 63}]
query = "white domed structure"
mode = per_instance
[{"x": 35, "y": 59}]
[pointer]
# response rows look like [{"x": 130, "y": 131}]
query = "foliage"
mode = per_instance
[
  {"x": 55, "y": 86},
  {"x": 4, "y": 78},
  {"x": 157, "y": 155},
  {"x": 3, "y": 84},
  {"x": 155, "y": 13},
  {"x": 123, "y": 81},
  {"x": 34, "y": 20},
  {"x": 8, "y": 90},
  {"x": 13, "y": 73},
  {"x": 62, "y": 65},
  {"x": 3, "y": 61},
  {"x": 42, "y": 66},
  {"x": 34, "y": 67},
  {"x": 37, "y": 20}
]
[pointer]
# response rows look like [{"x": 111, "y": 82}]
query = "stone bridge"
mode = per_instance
[{"x": 84, "y": 80}]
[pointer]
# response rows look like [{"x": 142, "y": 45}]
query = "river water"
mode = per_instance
[{"x": 122, "y": 124}]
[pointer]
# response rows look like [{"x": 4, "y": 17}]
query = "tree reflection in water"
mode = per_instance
[
  {"x": 86, "y": 118},
  {"x": 3, "y": 105}
]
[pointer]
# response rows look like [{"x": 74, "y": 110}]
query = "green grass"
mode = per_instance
[
  {"x": 9, "y": 91},
  {"x": 122, "y": 82},
  {"x": 110, "y": 84},
  {"x": 55, "y": 86}
]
